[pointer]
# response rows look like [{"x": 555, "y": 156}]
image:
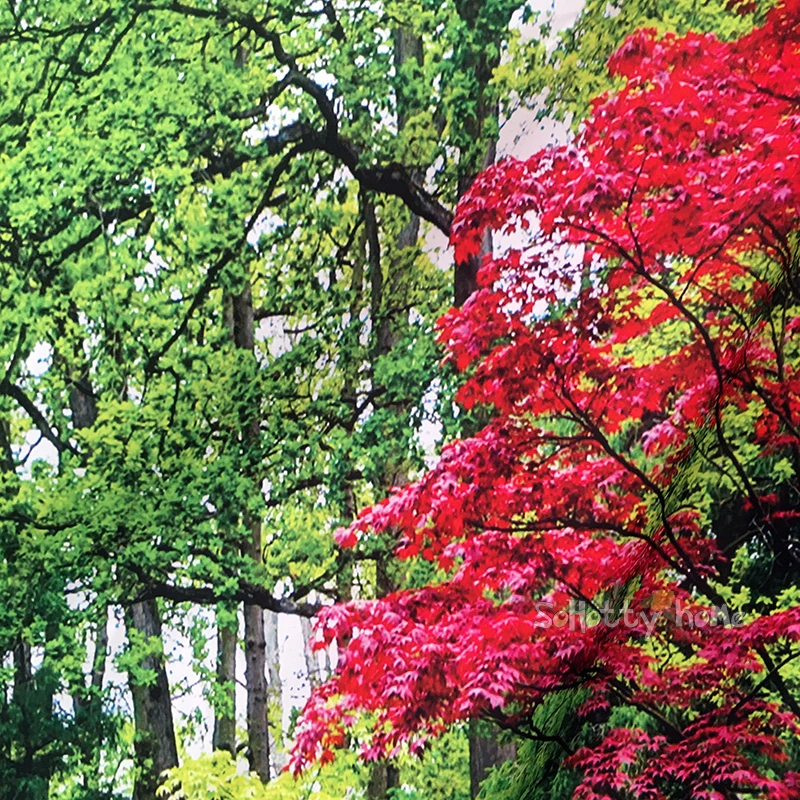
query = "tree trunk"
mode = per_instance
[
  {"x": 255, "y": 656},
  {"x": 465, "y": 280},
  {"x": 485, "y": 752},
  {"x": 32, "y": 704},
  {"x": 154, "y": 735},
  {"x": 224, "y": 737},
  {"x": 383, "y": 776},
  {"x": 408, "y": 58},
  {"x": 273, "y": 654},
  {"x": 280, "y": 758},
  {"x": 88, "y": 704},
  {"x": 313, "y": 670},
  {"x": 255, "y": 646}
]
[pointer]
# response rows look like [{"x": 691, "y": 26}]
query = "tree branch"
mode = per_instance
[
  {"x": 207, "y": 595},
  {"x": 15, "y": 393}
]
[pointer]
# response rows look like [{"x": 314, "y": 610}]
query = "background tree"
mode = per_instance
[{"x": 247, "y": 359}]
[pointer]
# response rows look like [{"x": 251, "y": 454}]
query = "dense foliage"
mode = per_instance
[
  {"x": 622, "y": 534},
  {"x": 216, "y": 335},
  {"x": 202, "y": 371}
]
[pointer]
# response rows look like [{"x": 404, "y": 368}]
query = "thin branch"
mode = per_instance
[{"x": 15, "y": 393}]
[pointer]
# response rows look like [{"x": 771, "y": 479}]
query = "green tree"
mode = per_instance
[{"x": 218, "y": 317}]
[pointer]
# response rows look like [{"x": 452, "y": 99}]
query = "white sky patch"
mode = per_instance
[
  {"x": 277, "y": 118},
  {"x": 40, "y": 359}
]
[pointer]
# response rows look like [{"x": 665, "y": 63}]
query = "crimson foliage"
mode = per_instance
[{"x": 638, "y": 352}]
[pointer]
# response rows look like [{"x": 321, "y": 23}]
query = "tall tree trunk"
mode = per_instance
[
  {"x": 408, "y": 57},
  {"x": 154, "y": 734},
  {"x": 280, "y": 758},
  {"x": 255, "y": 649},
  {"x": 255, "y": 646},
  {"x": 383, "y": 774},
  {"x": 88, "y": 703},
  {"x": 224, "y": 737},
  {"x": 310, "y": 655},
  {"x": 485, "y": 752},
  {"x": 242, "y": 324}
]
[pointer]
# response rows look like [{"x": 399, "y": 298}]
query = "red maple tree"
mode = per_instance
[{"x": 640, "y": 360}]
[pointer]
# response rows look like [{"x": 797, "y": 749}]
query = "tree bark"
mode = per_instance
[
  {"x": 154, "y": 735},
  {"x": 484, "y": 749},
  {"x": 280, "y": 758},
  {"x": 224, "y": 737},
  {"x": 273, "y": 654},
  {"x": 383, "y": 776},
  {"x": 312, "y": 662},
  {"x": 408, "y": 58},
  {"x": 485, "y": 752},
  {"x": 255, "y": 646},
  {"x": 465, "y": 276},
  {"x": 88, "y": 703},
  {"x": 255, "y": 656}
]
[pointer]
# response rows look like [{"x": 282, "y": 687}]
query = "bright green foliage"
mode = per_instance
[{"x": 438, "y": 775}]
